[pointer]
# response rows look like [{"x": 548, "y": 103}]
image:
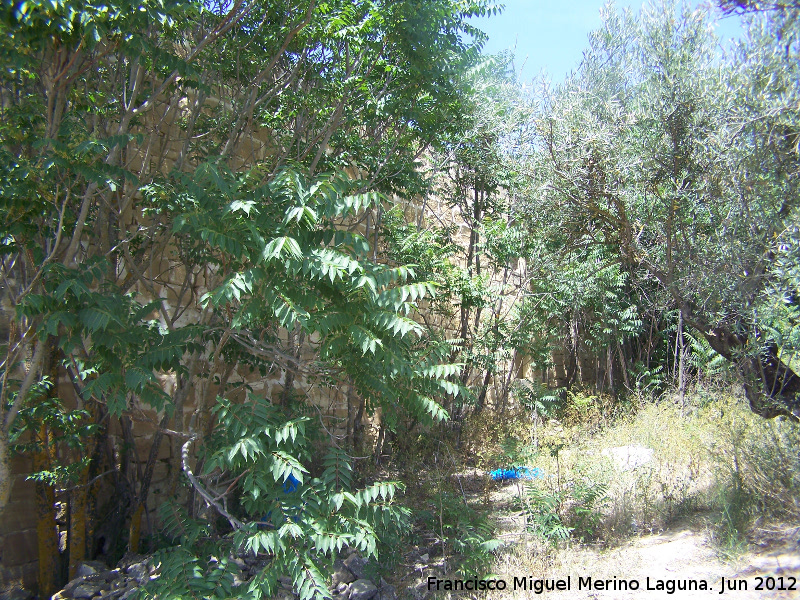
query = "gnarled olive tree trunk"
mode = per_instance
[{"x": 771, "y": 386}]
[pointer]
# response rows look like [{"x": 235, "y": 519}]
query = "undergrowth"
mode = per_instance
[
  {"x": 711, "y": 458},
  {"x": 453, "y": 533},
  {"x": 714, "y": 463}
]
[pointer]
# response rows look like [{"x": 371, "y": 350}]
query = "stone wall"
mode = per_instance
[{"x": 18, "y": 553}]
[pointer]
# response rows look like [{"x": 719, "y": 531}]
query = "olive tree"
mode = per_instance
[{"x": 683, "y": 165}]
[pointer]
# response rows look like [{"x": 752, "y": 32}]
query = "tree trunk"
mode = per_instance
[
  {"x": 507, "y": 382},
  {"x": 681, "y": 370},
  {"x": 574, "y": 343},
  {"x": 77, "y": 523},
  {"x": 623, "y": 367},
  {"x": 140, "y": 499},
  {"x": 80, "y": 517},
  {"x": 46, "y": 528},
  {"x": 380, "y": 442},
  {"x": 358, "y": 425},
  {"x": 772, "y": 388},
  {"x": 5, "y": 472},
  {"x": 484, "y": 389}
]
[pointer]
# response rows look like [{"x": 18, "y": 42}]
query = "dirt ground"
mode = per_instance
[{"x": 682, "y": 556}]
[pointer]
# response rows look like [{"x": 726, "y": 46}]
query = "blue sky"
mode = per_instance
[{"x": 552, "y": 34}]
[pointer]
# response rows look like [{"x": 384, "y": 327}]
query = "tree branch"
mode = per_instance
[{"x": 235, "y": 523}]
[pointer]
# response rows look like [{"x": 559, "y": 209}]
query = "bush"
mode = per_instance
[
  {"x": 758, "y": 471},
  {"x": 563, "y": 508},
  {"x": 257, "y": 452}
]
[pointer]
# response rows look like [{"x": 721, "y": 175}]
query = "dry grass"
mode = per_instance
[
  {"x": 717, "y": 469},
  {"x": 719, "y": 477}
]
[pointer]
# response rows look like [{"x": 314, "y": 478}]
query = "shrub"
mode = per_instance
[{"x": 252, "y": 456}]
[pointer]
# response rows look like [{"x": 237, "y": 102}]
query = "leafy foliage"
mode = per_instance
[
  {"x": 636, "y": 175},
  {"x": 569, "y": 510},
  {"x": 181, "y": 188},
  {"x": 292, "y": 533}
]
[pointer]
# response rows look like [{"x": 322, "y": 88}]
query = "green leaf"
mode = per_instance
[{"x": 280, "y": 247}]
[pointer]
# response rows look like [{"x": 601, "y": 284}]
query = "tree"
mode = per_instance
[
  {"x": 480, "y": 171},
  {"x": 168, "y": 211},
  {"x": 635, "y": 156},
  {"x": 748, "y": 6}
]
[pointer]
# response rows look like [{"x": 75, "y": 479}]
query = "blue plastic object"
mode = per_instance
[
  {"x": 291, "y": 484},
  {"x": 516, "y": 473}
]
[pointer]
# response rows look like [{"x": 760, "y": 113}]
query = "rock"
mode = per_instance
[
  {"x": 424, "y": 558},
  {"x": 16, "y": 594},
  {"x": 130, "y": 559},
  {"x": 419, "y": 591},
  {"x": 108, "y": 576},
  {"x": 286, "y": 583},
  {"x": 69, "y": 589},
  {"x": 86, "y": 591},
  {"x": 362, "y": 589},
  {"x": 386, "y": 592},
  {"x": 90, "y": 567},
  {"x": 341, "y": 574},
  {"x": 139, "y": 572},
  {"x": 356, "y": 565},
  {"x": 343, "y": 589},
  {"x": 627, "y": 458},
  {"x": 95, "y": 580}
]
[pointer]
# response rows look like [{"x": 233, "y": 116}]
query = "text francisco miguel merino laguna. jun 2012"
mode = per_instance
[{"x": 616, "y": 584}]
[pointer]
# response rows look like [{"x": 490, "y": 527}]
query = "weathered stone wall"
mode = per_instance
[
  {"x": 18, "y": 539},
  {"x": 18, "y": 552}
]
